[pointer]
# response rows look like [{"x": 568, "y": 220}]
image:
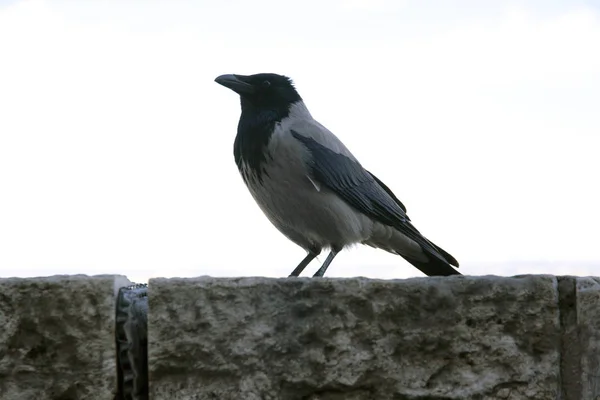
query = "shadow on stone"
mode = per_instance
[{"x": 132, "y": 342}]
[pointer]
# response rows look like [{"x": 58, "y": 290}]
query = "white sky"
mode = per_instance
[{"x": 116, "y": 146}]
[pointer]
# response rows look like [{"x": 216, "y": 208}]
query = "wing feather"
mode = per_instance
[{"x": 362, "y": 190}]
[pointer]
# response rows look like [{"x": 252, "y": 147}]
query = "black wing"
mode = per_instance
[
  {"x": 363, "y": 191},
  {"x": 389, "y": 192},
  {"x": 353, "y": 183}
]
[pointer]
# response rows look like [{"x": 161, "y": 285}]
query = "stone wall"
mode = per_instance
[
  {"x": 528, "y": 337},
  {"x": 57, "y": 337}
]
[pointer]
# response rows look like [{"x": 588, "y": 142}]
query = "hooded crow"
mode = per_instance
[{"x": 311, "y": 187}]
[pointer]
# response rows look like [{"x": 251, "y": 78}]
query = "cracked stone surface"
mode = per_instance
[
  {"x": 333, "y": 339},
  {"x": 588, "y": 324},
  {"x": 57, "y": 337}
]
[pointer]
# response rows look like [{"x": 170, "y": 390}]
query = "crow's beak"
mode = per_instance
[{"x": 235, "y": 83}]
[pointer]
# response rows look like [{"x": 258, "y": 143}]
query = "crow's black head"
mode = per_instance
[
  {"x": 266, "y": 100},
  {"x": 262, "y": 91}
]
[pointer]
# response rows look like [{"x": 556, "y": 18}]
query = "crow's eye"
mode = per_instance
[{"x": 266, "y": 84}]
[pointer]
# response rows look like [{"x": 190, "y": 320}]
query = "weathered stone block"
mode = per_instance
[
  {"x": 588, "y": 324},
  {"x": 57, "y": 337},
  {"x": 329, "y": 339}
]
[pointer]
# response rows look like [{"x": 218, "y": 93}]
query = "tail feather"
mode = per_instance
[
  {"x": 411, "y": 245},
  {"x": 433, "y": 267},
  {"x": 439, "y": 261},
  {"x": 451, "y": 260}
]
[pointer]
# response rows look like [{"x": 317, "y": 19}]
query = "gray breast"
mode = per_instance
[{"x": 306, "y": 213}]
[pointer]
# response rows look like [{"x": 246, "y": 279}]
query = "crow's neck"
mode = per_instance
[{"x": 254, "y": 131}]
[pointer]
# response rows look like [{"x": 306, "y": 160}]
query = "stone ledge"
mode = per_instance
[
  {"x": 588, "y": 328},
  {"x": 423, "y": 338},
  {"x": 57, "y": 337},
  {"x": 527, "y": 337}
]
